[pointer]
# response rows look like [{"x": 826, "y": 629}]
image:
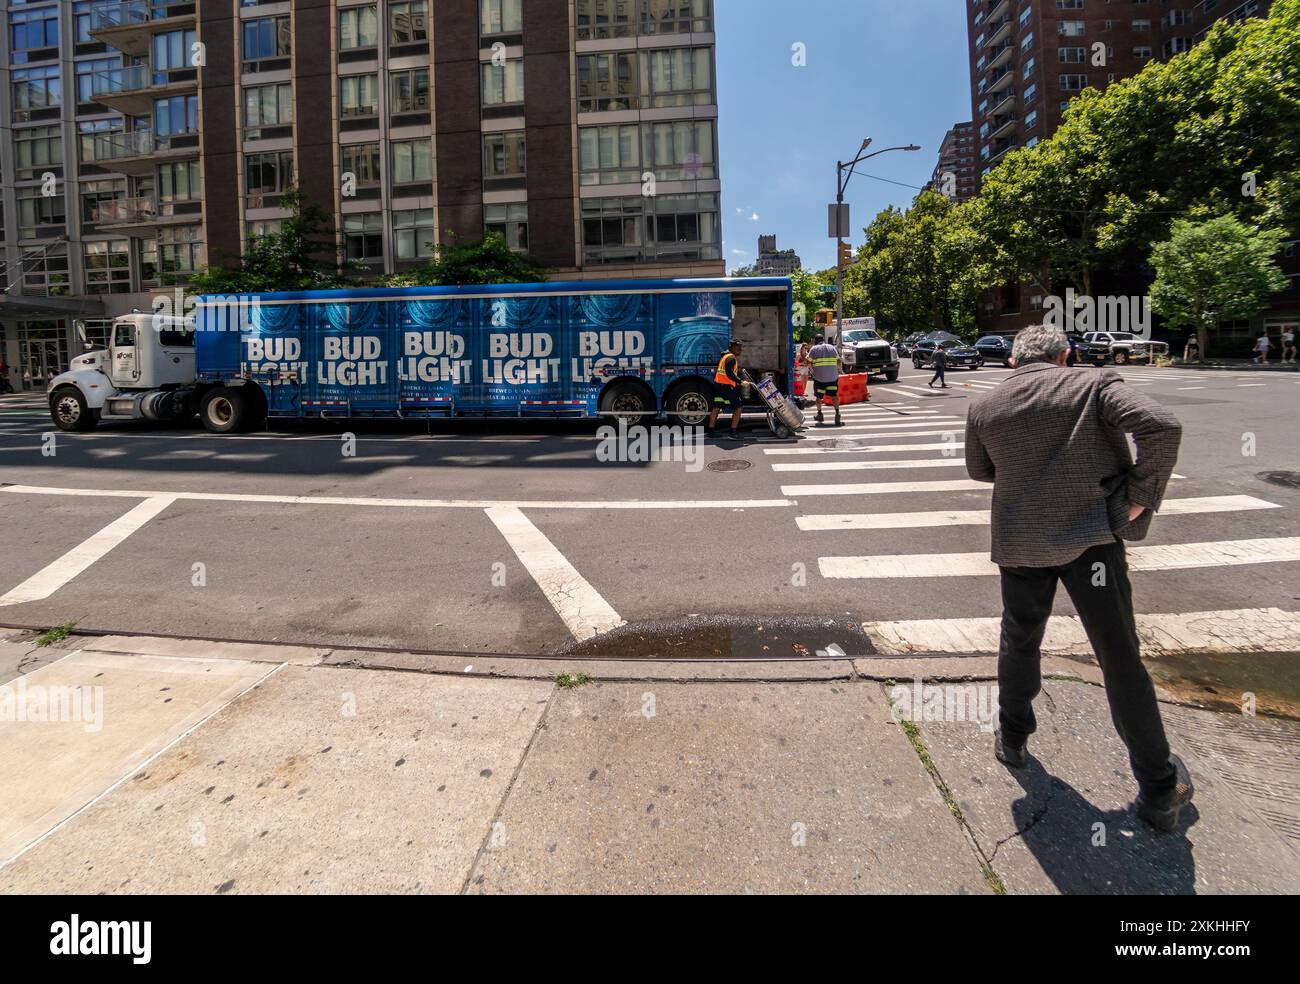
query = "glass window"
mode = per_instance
[
  {"x": 509, "y": 221},
  {"x": 679, "y": 150},
  {"x": 503, "y": 85},
  {"x": 178, "y": 182},
  {"x": 359, "y": 95},
  {"x": 614, "y": 150},
  {"x": 177, "y": 114},
  {"x": 108, "y": 266},
  {"x": 409, "y": 90},
  {"x": 358, "y": 28},
  {"x": 503, "y": 155},
  {"x": 37, "y": 147},
  {"x": 268, "y": 105},
  {"x": 37, "y": 212},
  {"x": 408, "y": 22},
  {"x": 363, "y": 236},
  {"x": 31, "y": 29},
  {"x": 171, "y": 50},
  {"x": 599, "y": 19},
  {"x": 501, "y": 16},
  {"x": 99, "y": 199},
  {"x": 677, "y": 77},
  {"x": 37, "y": 88},
  {"x": 607, "y": 82},
  {"x": 413, "y": 233},
  {"x": 267, "y": 37},
  {"x": 676, "y": 16},
  {"x": 268, "y": 173},
  {"x": 412, "y": 161},
  {"x": 86, "y": 75},
  {"x": 180, "y": 253},
  {"x": 362, "y": 161}
]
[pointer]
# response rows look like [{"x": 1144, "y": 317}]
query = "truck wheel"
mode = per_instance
[
  {"x": 626, "y": 398},
  {"x": 222, "y": 410},
  {"x": 1121, "y": 358},
  {"x": 891, "y": 375},
  {"x": 688, "y": 405},
  {"x": 69, "y": 410}
]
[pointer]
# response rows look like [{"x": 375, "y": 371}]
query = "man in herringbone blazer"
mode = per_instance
[{"x": 1066, "y": 493}]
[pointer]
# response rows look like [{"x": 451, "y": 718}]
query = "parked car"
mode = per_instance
[
  {"x": 1080, "y": 350},
  {"x": 906, "y": 345},
  {"x": 995, "y": 348},
  {"x": 863, "y": 350},
  {"x": 961, "y": 355},
  {"x": 1122, "y": 347}
]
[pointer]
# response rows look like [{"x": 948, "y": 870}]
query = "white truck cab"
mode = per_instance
[{"x": 146, "y": 373}]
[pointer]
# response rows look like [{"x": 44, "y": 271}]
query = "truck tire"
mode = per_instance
[
  {"x": 69, "y": 409},
  {"x": 223, "y": 410},
  {"x": 1121, "y": 357},
  {"x": 891, "y": 375},
  {"x": 628, "y": 398},
  {"x": 689, "y": 403}
]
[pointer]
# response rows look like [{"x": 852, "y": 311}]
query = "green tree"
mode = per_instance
[
  {"x": 489, "y": 261},
  {"x": 301, "y": 255},
  {"x": 1216, "y": 270},
  {"x": 809, "y": 298}
]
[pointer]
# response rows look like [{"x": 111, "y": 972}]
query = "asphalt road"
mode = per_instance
[{"x": 513, "y": 536}]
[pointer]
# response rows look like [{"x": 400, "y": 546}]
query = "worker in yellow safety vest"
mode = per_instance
[
  {"x": 824, "y": 359},
  {"x": 727, "y": 389}
]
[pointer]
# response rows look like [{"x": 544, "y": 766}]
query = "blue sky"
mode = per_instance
[{"x": 894, "y": 70}]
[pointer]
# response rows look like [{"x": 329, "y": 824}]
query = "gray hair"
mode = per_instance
[{"x": 1039, "y": 343}]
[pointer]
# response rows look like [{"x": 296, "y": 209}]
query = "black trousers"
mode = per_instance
[
  {"x": 1098, "y": 584},
  {"x": 938, "y": 374}
]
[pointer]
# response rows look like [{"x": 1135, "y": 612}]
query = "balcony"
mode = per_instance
[
  {"x": 142, "y": 216},
  {"x": 999, "y": 8},
  {"x": 137, "y": 151},
  {"x": 132, "y": 90},
  {"x": 1001, "y": 80},
  {"x": 1004, "y": 104},
  {"x": 1000, "y": 149},
  {"x": 1002, "y": 126},
  {"x": 129, "y": 25},
  {"x": 999, "y": 31},
  {"x": 1001, "y": 54}
]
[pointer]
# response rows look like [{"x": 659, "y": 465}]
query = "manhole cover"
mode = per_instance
[
  {"x": 1289, "y": 479},
  {"x": 729, "y": 464},
  {"x": 842, "y": 442}
]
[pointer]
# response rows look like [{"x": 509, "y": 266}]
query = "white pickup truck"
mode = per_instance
[{"x": 1122, "y": 347}]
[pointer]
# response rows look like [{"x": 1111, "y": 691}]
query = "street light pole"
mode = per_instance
[{"x": 841, "y": 183}]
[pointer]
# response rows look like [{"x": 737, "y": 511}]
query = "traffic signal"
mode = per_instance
[{"x": 846, "y": 255}]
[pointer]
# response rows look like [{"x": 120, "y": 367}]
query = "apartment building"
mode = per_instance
[
  {"x": 141, "y": 140},
  {"x": 955, "y": 172},
  {"x": 1029, "y": 58},
  {"x": 773, "y": 262}
]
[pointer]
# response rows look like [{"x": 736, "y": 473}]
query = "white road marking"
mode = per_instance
[
  {"x": 45, "y": 582},
  {"x": 1170, "y": 557},
  {"x": 327, "y": 500},
  {"x": 894, "y": 390},
  {"x": 1232, "y": 631},
  {"x": 887, "y": 488},
  {"x": 926, "y": 391},
  {"x": 580, "y": 605},
  {"x": 869, "y": 465},
  {"x": 869, "y": 450},
  {"x": 980, "y": 517},
  {"x": 1243, "y": 385},
  {"x": 858, "y": 435},
  {"x": 1191, "y": 387}
]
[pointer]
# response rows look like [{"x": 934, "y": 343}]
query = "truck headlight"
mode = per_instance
[{"x": 893, "y": 354}]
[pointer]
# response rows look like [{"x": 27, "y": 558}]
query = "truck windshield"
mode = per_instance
[{"x": 861, "y": 335}]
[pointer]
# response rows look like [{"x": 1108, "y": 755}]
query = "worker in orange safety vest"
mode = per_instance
[{"x": 727, "y": 389}]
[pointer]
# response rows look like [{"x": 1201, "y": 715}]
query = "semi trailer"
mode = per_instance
[{"x": 641, "y": 348}]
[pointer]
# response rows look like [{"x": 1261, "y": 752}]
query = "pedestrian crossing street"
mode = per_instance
[{"x": 902, "y": 456}]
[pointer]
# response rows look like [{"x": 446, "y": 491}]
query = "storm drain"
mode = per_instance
[
  {"x": 1287, "y": 479},
  {"x": 728, "y": 465}
]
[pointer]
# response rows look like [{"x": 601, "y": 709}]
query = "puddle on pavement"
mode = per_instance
[
  {"x": 1217, "y": 682},
  {"x": 721, "y": 637}
]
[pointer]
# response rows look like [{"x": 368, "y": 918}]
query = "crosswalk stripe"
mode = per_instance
[
  {"x": 869, "y": 450},
  {"x": 895, "y": 390},
  {"x": 897, "y": 424},
  {"x": 1168, "y": 557},
  {"x": 862, "y": 433},
  {"x": 927, "y": 391},
  {"x": 870, "y": 465},
  {"x": 1240, "y": 630},
  {"x": 886, "y": 488},
  {"x": 980, "y": 517}
]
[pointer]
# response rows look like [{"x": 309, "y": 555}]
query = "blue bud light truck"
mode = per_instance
[{"x": 640, "y": 348}]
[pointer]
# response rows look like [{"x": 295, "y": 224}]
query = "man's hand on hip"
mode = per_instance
[{"x": 1134, "y": 511}]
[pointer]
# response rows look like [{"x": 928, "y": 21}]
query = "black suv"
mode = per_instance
[
  {"x": 960, "y": 354},
  {"x": 995, "y": 348}
]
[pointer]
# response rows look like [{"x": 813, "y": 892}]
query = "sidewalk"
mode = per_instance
[{"x": 221, "y": 767}]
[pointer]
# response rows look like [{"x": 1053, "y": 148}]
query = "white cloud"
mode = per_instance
[{"x": 753, "y": 217}]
